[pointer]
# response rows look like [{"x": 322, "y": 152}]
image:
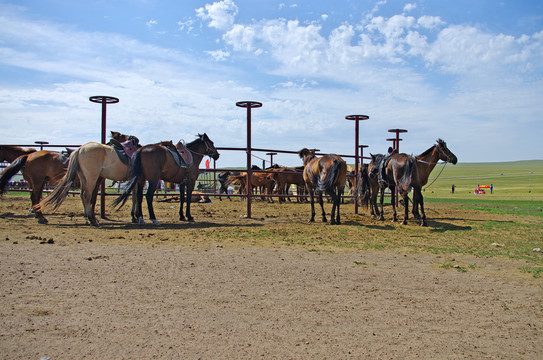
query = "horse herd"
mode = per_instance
[{"x": 123, "y": 159}]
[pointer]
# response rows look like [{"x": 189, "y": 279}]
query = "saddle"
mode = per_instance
[
  {"x": 124, "y": 150},
  {"x": 181, "y": 154},
  {"x": 64, "y": 157},
  {"x": 383, "y": 165}
]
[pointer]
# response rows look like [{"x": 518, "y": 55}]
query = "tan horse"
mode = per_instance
[
  {"x": 324, "y": 174},
  {"x": 91, "y": 162},
  {"x": 155, "y": 162}
]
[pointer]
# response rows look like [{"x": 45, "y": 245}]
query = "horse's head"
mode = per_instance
[
  {"x": 124, "y": 138},
  {"x": 375, "y": 163},
  {"x": 444, "y": 153},
  {"x": 306, "y": 155},
  {"x": 210, "y": 150}
]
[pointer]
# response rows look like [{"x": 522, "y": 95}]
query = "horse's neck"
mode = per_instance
[
  {"x": 427, "y": 163},
  {"x": 198, "y": 151},
  {"x": 11, "y": 154}
]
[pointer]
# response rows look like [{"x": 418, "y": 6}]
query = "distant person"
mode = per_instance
[
  {"x": 452, "y": 188},
  {"x": 491, "y": 188}
]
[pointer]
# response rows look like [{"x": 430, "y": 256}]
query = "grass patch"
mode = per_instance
[{"x": 537, "y": 271}]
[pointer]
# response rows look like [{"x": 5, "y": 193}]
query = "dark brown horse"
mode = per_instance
[
  {"x": 405, "y": 172},
  {"x": 91, "y": 163},
  {"x": 425, "y": 163},
  {"x": 155, "y": 162},
  {"x": 9, "y": 153},
  {"x": 325, "y": 174}
]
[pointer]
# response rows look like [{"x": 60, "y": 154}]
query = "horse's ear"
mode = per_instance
[{"x": 115, "y": 134}]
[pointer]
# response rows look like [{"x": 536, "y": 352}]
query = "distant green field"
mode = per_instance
[{"x": 516, "y": 179}]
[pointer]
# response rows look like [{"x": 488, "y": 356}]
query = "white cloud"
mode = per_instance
[
  {"x": 151, "y": 23},
  {"x": 219, "y": 55},
  {"x": 409, "y": 7},
  {"x": 220, "y": 14},
  {"x": 430, "y": 22}
]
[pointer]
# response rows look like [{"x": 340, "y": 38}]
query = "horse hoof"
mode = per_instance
[
  {"x": 423, "y": 223},
  {"x": 404, "y": 222},
  {"x": 191, "y": 220},
  {"x": 311, "y": 220},
  {"x": 42, "y": 221},
  {"x": 141, "y": 221},
  {"x": 155, "y": 222}
]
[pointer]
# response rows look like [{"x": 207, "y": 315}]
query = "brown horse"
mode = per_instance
[
  {"x": 9, "y": 153},
  {"x": 155, "y": 162},
  {"x": 324, "y": 174},
  {"x": 284, "y": 177},
  {"x": 91, "y": 162},
  {"x": 406, "y": 172},
  {"x": 38, "y": 168}
]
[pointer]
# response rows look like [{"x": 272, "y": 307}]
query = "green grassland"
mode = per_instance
[{"x": 516, "y": 179}]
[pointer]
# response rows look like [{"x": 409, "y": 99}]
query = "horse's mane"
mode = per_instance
[
  {"x": 200, "y": 138},
  {"x": 439, "y": 142}
]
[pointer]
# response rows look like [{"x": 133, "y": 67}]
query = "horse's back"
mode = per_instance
[{"x": 97, "y": 159}]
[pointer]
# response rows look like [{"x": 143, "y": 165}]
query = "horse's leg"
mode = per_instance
[
  {"x": 190, "y": 187},
  {"x": 415, "y": 210},
  {"x": 312, "y": 201},
  {"x": 382, "y": 199},
  {"x": 393, "y": 203},
  {"x": 86, "y": 197},
  {"x": 336, "y": 201},
  {"x": 321, "y": 203},
  {"x": 417, "y": 193},
  {"x": 149, "y": 198},
  {"x": 181, "y": 202},
  {"x": 35, "y": 197},
  {"x": 92, "y": 216},
  {"x": 134, "y": 210},
  {"x": 406, "y": 206},
  {"x": 338, "y": 220},
  {"x": 139, "y": 202}
]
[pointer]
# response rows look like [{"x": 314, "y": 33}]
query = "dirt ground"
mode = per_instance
[{"x": 229, "y": 287}]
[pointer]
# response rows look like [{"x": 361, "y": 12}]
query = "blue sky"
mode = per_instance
[{"x": 469, "y": 72}]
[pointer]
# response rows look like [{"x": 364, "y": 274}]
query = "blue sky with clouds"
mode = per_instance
[{"x": 469, "y": 72}]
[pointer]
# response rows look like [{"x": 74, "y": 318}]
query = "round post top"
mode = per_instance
[
  {"x": 397, "y": 130},
  {"x": 357, "y": 117},
  {"x": 104, "y": 99},
  {"x": 271, "y": 153},
  {"x": 249, "y": 104},
  {"x": 41, "y": 142}
]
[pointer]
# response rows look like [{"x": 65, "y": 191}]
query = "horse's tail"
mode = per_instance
[
  {"x": 61, "y": 191},
  {"x": 406, "y": 181},
  {"x": 362, "y": 190},
  {"x": 11, "y": 170},
  {"x": 135, "y": 172},
  {"x": 331, "y": 177}
]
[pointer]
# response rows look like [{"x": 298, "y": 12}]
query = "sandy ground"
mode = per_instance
[{"x": 69, "y": 291}]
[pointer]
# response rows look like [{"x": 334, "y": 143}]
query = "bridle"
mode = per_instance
[{"x": 209, "y": 151}]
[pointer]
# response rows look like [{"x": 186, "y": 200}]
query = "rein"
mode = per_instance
[
  {"x": 443, "y": 168},
  {"x": 429, "y": 163}
]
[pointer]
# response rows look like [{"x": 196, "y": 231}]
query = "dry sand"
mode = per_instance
[{"x": 69, "y": 291}]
